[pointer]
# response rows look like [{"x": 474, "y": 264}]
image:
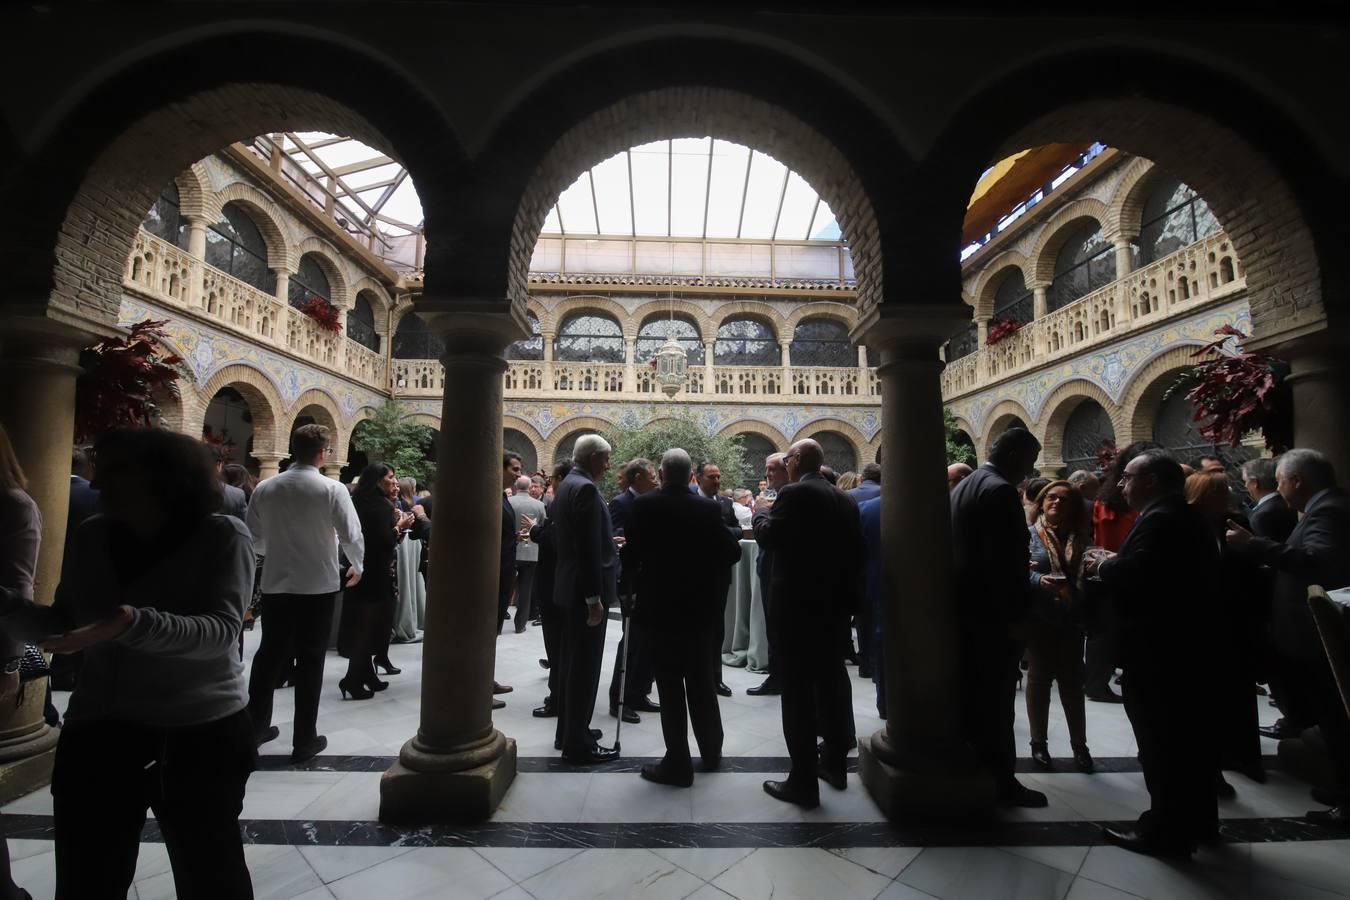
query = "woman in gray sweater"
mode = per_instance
[{"x": 158, "y": 720}]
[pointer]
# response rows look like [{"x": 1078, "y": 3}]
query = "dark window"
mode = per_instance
[
  {"x": 653, "y": 336},
  {"x": 414, "y": 339},
  {"x": 1012, "y": 300},
  {"x": 1174, "y": 217},
  {"x": 1085, "y": 263},
  {"x": 1176, "y": 429},
  {"x": 757, "y": 447},
  {"x": 963, "y": 343},
  {"x": 515, "y": 442},
  {"x": 746, "y": 342},
  {"x": 361, "y": 323},
  {"x": 589, "y": 338},
  {"x": 839, "y": 453},
  {"x": 531, "y": 347},
  {"x": 569, "y": 443},
  {"x": 236, "y": 247},
  {"x": 822, "y": 342},
  {"x": 165, "y": 220},
  {"x": 1088, "y": 426},
  {"x": 309, "y": 281}
]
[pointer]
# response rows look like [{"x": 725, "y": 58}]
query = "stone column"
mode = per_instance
[
  {"x": 269, "y": 463},
  {"x": 547, "y": 337},
  {"x": 918, "y": 765},
  {"x": 1124, "y": 256},
  {"x": 1319, "y": 382},
  {"x": 785, "y": 352},
  {"x": 459, "y": 766},
  {"x": 197, "y": 249},
  {"x": 334, "y": 469},
  {"x": 630, "y": 365},
  {"x": 1040, "y": 302},
  {"x": 38, "y": 366},
  {"x": 709, "y": 366},
  {"x": 981, "y": 331},
  {"x": 283, "y": 286}
]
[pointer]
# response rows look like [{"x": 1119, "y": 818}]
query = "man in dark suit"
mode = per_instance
[
  {"x": 709, "y": 486},
  {"x": 551, "y": 616},
  {"x": 234, "y": 503},
  {"x": 585, "y": 585},
  {"x": 818, "y": 555},
  {"x": 1314, "y": 553},
  {"x": 1163, "y": 580},
  {"x": 989, "y": 532},
  {"x": 775, "y": 479},
  {"x": 869, "y": 489},
  {"x": 677, "y": 550},
  {"x": 1270, "y": 516},
  {"x": 641, "y": 479}
]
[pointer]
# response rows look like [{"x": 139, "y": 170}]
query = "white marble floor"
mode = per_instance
[{"x": 731, "y": 804}]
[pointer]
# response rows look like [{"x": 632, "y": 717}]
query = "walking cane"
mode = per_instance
[{"x": 626, "y": 610}]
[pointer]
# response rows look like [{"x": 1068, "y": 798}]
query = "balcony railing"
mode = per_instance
[
  {"x": 171, "y": 276},
  {"x": 1205, "y": 271}
]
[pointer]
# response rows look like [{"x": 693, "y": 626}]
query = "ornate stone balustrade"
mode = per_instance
[
  {"x": 1206, "y": 271},
  {"x": 170, "y": 275}
]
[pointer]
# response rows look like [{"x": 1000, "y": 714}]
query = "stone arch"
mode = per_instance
[
  {"x": 1061, "y": 403},
  {"x": 996, "y": 422},
  {"x": 566, "y": 429},
  {"x": 196, "y": 197},
  {"x": 683, "y": 308},
  {"x": 839, "y": 426},
  {"x": 570, "y": 306},
  {"x": 1126, "y": 210},
  {"x": 400, "y": 309},
  {"x": 1056, "y": 231},
  {"x": 333, "y": 267},
  {"x": 1143, "y": 394},
  {"x": 332, "y": 417},
  {"x": 271, "y": 222},
  {"x": 383, "y": 303},
  {"x": 511, "y": 420},
  {"x": 991, "y": 278},
  {"x": 824, "y": 309},
  {"x": 430, "y": 420},
  {"x": 264, "y": 404},
  {"x": 751, "y": 309},
  {"x": 173, "y": 403},
  {"x": 754, "y": 426}
]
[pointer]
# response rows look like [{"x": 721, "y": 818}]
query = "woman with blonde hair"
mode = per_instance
[
  {"x": 848, "y": 481},
  {"x": 1058, "y": 537}
]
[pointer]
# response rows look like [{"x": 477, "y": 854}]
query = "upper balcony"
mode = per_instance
[
  {"x": 172, "y": 276},
  {"x": 1190, "y": 278}
]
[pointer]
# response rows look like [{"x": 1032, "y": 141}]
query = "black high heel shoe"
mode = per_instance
[
  {"x": 1082, "y": 758},
  {"x": 1040, "y": 754},
  {"x": 356, "y": 689},
  {"x": 389, "y": 668},
  {"x": 375, "y": 684}
]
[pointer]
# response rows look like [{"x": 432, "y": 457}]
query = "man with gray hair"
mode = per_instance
[
  {"x": 529, "y": 512},
  {"x": 1314, "y": 553},
  {"x": 1270, "y": 515},
  {"x": 585, "y": 583}
]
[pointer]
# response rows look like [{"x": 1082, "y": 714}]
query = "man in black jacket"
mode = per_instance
[
  {"x": 641, "y": 479},
  {"x": 989, "y": 533},
  {"x": 775, "y": 479},
  {"x": 816, "y": 538},
  {"x": 1314, "y": 553},
  {"x": 709, "y": 486},
  {"x": 550, "y": 615},
  {"x": 585, "y": 585},
  {"x": 677, "y": 552},
  {"x": 1163, "y": 580}
]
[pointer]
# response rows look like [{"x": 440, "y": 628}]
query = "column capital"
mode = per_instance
[
  {"x": 472, "y": 324},
  {"x": 907, "y": 329}
]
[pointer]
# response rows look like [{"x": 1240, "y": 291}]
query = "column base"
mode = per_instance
[
  {"x": 26, "y": 763},
  {"x": 911, "y": 788},
  {"x": 421, "y": 797}
]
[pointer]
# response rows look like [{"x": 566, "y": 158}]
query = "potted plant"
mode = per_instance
[
  {"x": 1002, "y": 329},
  {"x": 121, "y": 375},
  {"x": 322, "y": 312},
  {"x": 1237, "y": 391}
]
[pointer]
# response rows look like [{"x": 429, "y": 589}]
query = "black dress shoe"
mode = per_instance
[
  {"x": 791, "y": 793},
  {"x": 629, "y": 716},
  {"x": 711, "y": 763},
  {"x": 501, "y": 688},
  {"x": 661, "y": 775},
  {"x": 723, "y": 690},
  {"x": 1280, "y": 731},
  {"x": 498, "y": 704},
  {"x": 865, "y": 670},
  {"x": 544, "y": 663},
  {"x": 766, "y": 688},
  {"x": 547, "y": 711},
  {"x": 643, "y": 704},
  {"x": 594, "y": 733},
  {"x": 1083, "y": 760},
  {"x": 271, "y": 734},
  {"x": 835, "y": 776},
  {"x": 1104, "y": 695},
  {"x": 1040, "y": 755},
  {"x": 309, "y": 749},
  {"x": 1132, "y": 840},
  {"x": 1018, "y": 794},
  {"x": 593, "y": 756}
]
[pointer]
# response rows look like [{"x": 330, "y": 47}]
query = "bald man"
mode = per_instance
[
  {"x": 815, "y": 536},
  {"x": 956, "y": 473}
]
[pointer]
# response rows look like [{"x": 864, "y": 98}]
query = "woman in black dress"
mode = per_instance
[{"x": 367, "y": 606}]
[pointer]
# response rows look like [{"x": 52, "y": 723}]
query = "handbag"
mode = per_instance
[{"x": 33, "y": 665}]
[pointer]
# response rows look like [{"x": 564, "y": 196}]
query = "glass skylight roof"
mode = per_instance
[
  {"x": 692, "y": 187},
  {"x": 368, "y": 185}
]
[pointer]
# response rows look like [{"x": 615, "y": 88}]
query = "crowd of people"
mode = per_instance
[{"x": 1151, "y": 568}]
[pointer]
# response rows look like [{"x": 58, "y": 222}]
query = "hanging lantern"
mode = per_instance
[{"x": 671, "y": 366}]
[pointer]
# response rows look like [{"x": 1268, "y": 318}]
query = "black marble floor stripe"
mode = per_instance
[
  {"x": 759, "y": 765},
  {"x": 700, "y": 835}
]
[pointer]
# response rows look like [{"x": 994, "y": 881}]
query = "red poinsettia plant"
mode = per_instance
[
  {"x": 1238, "y": 391},
  {"x": 1001, "y": 330},
  {"x": 323, "y": 312},
  {"x": 1106, "y": 454},
  {"x": 120, "y": 378}
]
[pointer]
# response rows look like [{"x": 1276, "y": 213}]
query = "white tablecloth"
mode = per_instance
[
  {"x": 412, "y": 593},
  {"x": 746, "y": 641}
]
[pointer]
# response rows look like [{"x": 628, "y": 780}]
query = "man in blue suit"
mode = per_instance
[
  {"x": 864, "y": 621},
  {"x": 870, "y": 513},
  {"x": 870, "y": 487}
]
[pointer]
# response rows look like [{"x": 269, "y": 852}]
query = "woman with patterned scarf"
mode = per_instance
[{"x": 1058, "y": 537}]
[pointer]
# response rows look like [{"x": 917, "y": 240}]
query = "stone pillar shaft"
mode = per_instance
[
  {"x": 269, "y": 464},
  {"x": 1124, "y": 257},
  {"x": 630, "y": 365},
  {"x": 1040, "y": 302},
  {"x": 1319, "y": 382},
  {"x": 981, "y": 330},
  {"x": 283, "y": 285}
]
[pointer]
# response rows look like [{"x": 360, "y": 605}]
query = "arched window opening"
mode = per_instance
[
  {"x": 589, "y": 337},
  {"x": 822, "y": 342},
  {"x": 653, "y": 336},
  {"x": 165, "y": 219},
  {"x": 1085, "y": 431},
  {"x": 757, "y": 448},
  {"x": 530, "y": 348},
  {"x": 746, "y": 342},
  {"x": 1085, "y": 263},
  {"x": 414, "y": 339},
  {"x": 309, "y": 281},
  {"x": 839, "y": 452},
  {"x": 235, "y": 246},
  {"x": 1012, "y": 301},
  {"x": 516, "y": 442},
  {"x": 361, "y": 323},
  {"x": 567, "y": 444},
  {"x": 229, "y": 424},
  {"x": 1174, "y": 216},
  {"x": 1175, "y": 428}
]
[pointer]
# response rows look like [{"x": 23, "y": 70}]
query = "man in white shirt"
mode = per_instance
[
  {"x": 293, "y": 518},
  {"x": 743, "y": 508},
  {"x": 525, "y": 502}
]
